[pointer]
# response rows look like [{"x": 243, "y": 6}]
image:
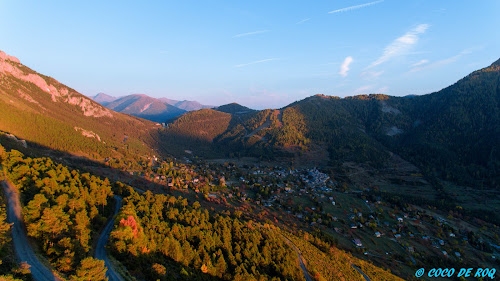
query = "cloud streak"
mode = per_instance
[
  {"x": 363, "y": 89},
  {"x": 302, "y": 21},
  {"x": 250, "y": 33},
  {"x": 420, "y": 63},
  {"x": 371, "y": 75},
  {"x": 401, "y": 45},
  {"x": 440, "y": 62},
  {"x": 344, "y": 67},
  {"x": 255, "y": 62},
  {"x": 347, "y": 9}
]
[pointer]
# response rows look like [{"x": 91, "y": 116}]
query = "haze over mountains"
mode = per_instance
[
  {"x": 458, "y": 126},
  {"x": 450, "y": 136},
  {"x": 140, "y": 105}
]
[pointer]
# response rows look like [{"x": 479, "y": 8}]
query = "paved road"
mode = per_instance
[
  {"x": 100, "y": 252},
  {"x": 301, "y": 261},
  {"x": 23, "y": 250},
  {"x": 302, "y": 265},
  {"x": 359, "y": 270}
]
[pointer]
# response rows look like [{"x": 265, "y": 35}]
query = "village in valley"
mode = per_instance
[{"x": 363, "y": 220}]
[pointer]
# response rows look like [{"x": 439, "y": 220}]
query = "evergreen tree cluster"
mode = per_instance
[
  {"x": 159, "y": 234},
  {"x": 63, "y": 208}
]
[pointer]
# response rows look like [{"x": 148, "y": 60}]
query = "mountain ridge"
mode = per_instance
[
  {"x": 433, "y": 131},
  {"x": 32, "y": 103},
  {"x": 103, "y": 98},
  {"x": 234, "y": 108},
  {"x": 147, "y": 107},
  {"x": 450, "y": 133}
]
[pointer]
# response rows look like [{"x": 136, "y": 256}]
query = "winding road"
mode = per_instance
[
  {"x": 23, "y": 249},
  {"x": 301, "y": 261},
  {"x": 362, "y": 273},
  {"x": 302, "y": 265},
  {"x": 100, "y": 252}
]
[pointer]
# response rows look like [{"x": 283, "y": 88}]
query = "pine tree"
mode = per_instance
[
  {"x": 4, "y": 227},
  {"x": 91, "y": 270},
  {"x": 83, "y": 229},
  {"x": 221, "y": 266}
]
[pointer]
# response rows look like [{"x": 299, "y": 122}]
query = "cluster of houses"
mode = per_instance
[
  {"x": 282, "y": 185},
  {"x": 245, "y": 184}
]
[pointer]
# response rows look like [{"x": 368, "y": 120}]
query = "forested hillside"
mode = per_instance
[
  {"x": 456, "y": 131},
  {"x": 175, "y": 240},
  {"x": 196, "y": 131},
  {"x": 10, "y": 269},
  {"x": 155, "y": 236},
  {"x": 234, "y": 108},
  {"x": 63, "y": 210},
  {"x": 452, "y": 134},
  {"x": 168, "y": 238},
  {"x": 39, "y": 109}
]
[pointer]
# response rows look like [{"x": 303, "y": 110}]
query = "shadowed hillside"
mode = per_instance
[
  {"x": 40, "y": 109},
  {"x": 234, "y": 108},
  {"x": 452, "y": 134}
]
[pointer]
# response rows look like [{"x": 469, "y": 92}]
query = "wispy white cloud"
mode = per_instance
[
  {"x": 383, "y": 89},
  {"x": 363, "y": 89},
  {"x": 250, "y": 33},
  {"x": 302, "y": 21},
  {"x": 421, "y": 62},
  {"x": 370, "y": 75},
  {"x": 347, "y": 9},
  {"x": 344, "y": 68},
  {"x": 401, "y": 45},
  {"x": 441, "y": 62},
  {"x": 255, "y": 62}
]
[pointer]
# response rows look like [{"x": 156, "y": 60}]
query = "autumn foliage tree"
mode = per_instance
[
  {"x": 62, "y": 207},
  {"x": 153, "y": 231}
]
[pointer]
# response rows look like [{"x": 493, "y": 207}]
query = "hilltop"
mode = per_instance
[
  {"x": 145, "y": 107},
  {"x": 103, "y": 99},
  {"x": 48, "y": 113},
  {"x": 234, "y": 108}
]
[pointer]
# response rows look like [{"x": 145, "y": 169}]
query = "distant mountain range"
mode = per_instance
[
  {"x": 153, "y": 109},
  {"x": 103, "y": 99},
  {"x": 452, "y": 134}
]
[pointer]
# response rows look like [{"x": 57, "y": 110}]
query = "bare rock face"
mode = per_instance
[
  {"x": 4, "y": 56},
  {"x": 87, "y": 133},
  {"x": 10, "y": 65}
]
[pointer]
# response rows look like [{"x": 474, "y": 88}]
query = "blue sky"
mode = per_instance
[{"x": 263, "y": 54}]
